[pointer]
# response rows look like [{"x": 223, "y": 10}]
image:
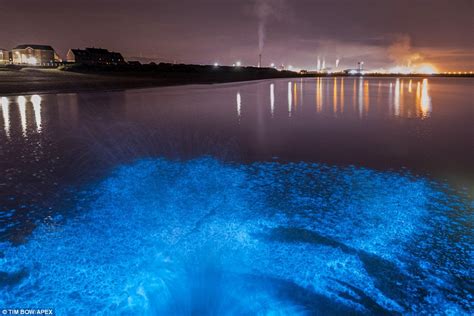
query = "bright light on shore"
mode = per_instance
[
  {"x": 238, "y": 64},
  {"x": 216, "y": 64},
  {"x": 426, "y": 69}
]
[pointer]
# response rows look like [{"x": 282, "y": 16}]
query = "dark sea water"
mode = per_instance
[{"x": 280, "y": 197}]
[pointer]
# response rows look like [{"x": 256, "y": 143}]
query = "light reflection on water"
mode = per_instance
[
  {"x": 319, "y": 95},
  {"x": 425, "y": 100},
  {"x": 337, "y": 97},
  {"x": 336, "y": 100},
  {"x": 22, "y": 103},
  {"x": 290, "y": 99},
  {"x": 295, "y": 95},
  {"x": 36, "y": 101},
  {"x": 361, "y": 97},
  {"x": 239, "y": 104},
  {"x": 272, "y": 99},
  {"x": 342, "y": 95},
  {"x": 397, "y": 98},
  {"x": 22, "y": 109},
  {"x": 6, "y": 115},
  {"x": 334, "y": 97}
]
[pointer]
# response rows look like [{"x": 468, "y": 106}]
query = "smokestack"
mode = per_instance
[{"x": 259, "y": 60}]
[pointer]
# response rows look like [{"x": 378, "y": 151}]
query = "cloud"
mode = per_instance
[{"x": 402, "y": 53}]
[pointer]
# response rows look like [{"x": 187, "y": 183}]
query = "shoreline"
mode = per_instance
[
  {"x": 48, "y": 81},
  {"x": 51, "y": 81}
]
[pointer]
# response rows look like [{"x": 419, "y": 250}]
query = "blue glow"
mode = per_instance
[{"x": 204, "y": 237}]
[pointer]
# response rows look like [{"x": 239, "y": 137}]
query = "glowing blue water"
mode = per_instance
[{"x": 203, "y": 237}]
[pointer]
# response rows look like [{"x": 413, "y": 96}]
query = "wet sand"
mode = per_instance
[{"x": 31, "y": 80}]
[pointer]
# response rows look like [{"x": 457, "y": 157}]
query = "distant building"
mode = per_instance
[
  {"x": 94, "y": 56},
  {"x": 357, "y": 71},
  {"x": 4, "y": 56},
  {"x": 35, "y": 55},
  {"x": 352, "y": 72}
]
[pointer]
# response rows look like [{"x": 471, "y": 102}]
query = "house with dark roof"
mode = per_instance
[
  {"x": 34, "y": 55},
  {"x": 94, "y": 56}
]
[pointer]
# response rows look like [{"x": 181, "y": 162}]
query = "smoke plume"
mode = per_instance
[
  {"x": 402, "y": 53},
  {"x": 266, "y": 9}
]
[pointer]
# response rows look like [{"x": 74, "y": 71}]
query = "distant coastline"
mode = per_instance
[{"x": 79, "y": 78}]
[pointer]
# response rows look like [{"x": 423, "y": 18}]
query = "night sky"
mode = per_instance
[{"x": 382, "y": 33}]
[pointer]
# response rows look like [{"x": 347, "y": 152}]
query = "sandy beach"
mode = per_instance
[
  {"x": 53, "y": 80},
  {"x": 36, "y": 80}
]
